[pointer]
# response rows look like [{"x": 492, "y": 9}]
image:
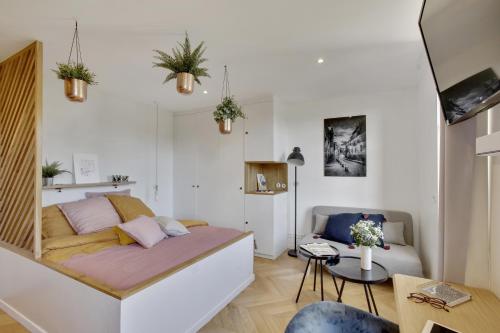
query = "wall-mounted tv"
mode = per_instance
[{"x": 462, "y": 40}]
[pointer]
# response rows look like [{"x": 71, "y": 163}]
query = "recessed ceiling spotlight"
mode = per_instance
[
  {"x": 321, "y": 60},
  {"x": 205, "y": 92}
]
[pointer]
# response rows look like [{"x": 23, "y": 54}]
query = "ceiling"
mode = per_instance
[{"x": 270, "y": 47}]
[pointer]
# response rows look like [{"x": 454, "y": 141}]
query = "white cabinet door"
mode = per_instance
[
  {"x": 208, "y": 173},
  {"x": 259, "y": 129},
  {"x": 230, "y": 194},
  {"x": 185, "y": 160},
  {"x": 280, "y": 223},
  {"x": 220, "y": 174},
  {"x": 259, "y": 215}
]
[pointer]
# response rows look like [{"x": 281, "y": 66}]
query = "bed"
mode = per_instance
[{"x": 176, "y": 286}]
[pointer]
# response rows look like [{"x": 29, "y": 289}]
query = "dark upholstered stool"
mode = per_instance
[{"x": 333, "y": 317}]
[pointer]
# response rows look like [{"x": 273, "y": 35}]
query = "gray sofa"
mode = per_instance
[{"x": 401, "y": 259}]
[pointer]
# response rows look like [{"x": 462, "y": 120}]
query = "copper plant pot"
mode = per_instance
[
  {"x": 225, "y": 126},
  {"x": 75, "y": 90},
  {"x": 185, "y": 83}
]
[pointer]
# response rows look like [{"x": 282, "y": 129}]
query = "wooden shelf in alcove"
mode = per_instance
[{"x": 275, "y": 172}]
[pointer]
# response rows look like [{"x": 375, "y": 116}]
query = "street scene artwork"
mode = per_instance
[{"x": 345, "y": 147}]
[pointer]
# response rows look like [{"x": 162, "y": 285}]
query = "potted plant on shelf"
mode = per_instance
[
  {"x": 76, "y": 78},
  {"x": 49, "y": 171},
  {"x": 184, "y": 65},
  {"x": 226, "y": 113},
  {"x": 366, "y": 235}
]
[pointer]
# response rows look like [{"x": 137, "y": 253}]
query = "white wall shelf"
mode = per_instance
[{"x": 60, "y": 187}]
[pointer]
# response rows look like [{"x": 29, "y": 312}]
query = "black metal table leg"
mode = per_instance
[
  {"x": 315, "y": 267},
  {"x": 303, "y": 278},
  {"x": 373, "y": 299},
  {"x": 367, "y": 299},
  {"x": 339, "y": 299},
  {"x": 321, "y": 278},
  {"x": 336, "y": 286}
]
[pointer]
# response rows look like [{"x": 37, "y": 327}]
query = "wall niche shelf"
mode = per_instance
[
  {"x": 275, "y": 172},
  {"x": 60, "y": 187}
]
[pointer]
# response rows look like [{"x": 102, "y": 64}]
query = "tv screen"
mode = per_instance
[{"x": 462, "y": 40}]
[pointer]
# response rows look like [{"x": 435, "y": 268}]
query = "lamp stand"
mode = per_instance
[{"x": 293, "y": 253}]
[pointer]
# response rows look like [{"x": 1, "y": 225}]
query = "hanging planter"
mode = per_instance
[
  {"x": 185, "y": 83},
  {"x": 228, "y": 110},
  {"x": 75, "y": 75},
  {"x": 184, "y": 65}
]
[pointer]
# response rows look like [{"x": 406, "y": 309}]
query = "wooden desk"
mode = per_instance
[{"x": 480, "y": 314}]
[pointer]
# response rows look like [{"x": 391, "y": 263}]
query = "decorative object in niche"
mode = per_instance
[
  {"x": 184, "y": 65},
  {"x": 345, "y": 147},
  {"x": 75, "y": 74},
  {"x": 50, "y": 170},
  {"x": 86, "y": 168},
  {"x": 261, "y": 183},
  {"x": 119, "y": 178},
  {"x": 228, "y": 110}
]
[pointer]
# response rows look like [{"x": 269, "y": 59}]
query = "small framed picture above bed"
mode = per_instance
[{"x": 86, "y": 168}]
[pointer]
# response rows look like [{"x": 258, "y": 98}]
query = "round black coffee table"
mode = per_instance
[
  {"x": 310, "y": 257},
  {"x": 349, "y": 269}
]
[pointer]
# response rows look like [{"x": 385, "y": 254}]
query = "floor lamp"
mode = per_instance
[{"x": 296, "y": 159}]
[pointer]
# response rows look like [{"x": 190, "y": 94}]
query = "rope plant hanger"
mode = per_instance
[
  {"x": 228, "y": 110},
  {"x": 75, "y": 74}
]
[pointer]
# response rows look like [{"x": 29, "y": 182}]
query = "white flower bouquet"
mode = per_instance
[{"x": 366, "y": 233}]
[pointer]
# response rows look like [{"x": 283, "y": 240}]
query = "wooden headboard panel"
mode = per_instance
[{"x": 20, "y": 148}]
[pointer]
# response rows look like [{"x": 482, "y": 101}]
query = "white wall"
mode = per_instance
[
  {"x": 121, "y": 132},
  {"x": 392, "y": 166},
  {"x": 494, "y": 235},
  {"x": 426, "y": 130}
]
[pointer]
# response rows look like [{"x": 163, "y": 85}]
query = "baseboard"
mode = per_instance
[
  {"x": 206, "y": 318},
  {"x": 20, "y": 318}
]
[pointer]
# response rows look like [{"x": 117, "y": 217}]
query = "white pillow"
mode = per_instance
[
  {"x": 171, "y": 227},
  {"x": 394, "y": 232},
  {"x": 321, "y": 221}
]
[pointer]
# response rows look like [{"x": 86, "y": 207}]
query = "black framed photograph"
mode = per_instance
[{"x": 345, "y": 147}]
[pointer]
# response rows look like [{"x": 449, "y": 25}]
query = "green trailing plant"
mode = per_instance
[
  {"x": 228, "y": 109},
  {"x": 75, "y": 71},
  {"x": 183, "y": 60},
  {"x": 53, "y": 169}
]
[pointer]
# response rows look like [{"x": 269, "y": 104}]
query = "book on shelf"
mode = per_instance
[
  {"x": 447, "y": 293},
  {"x": 319, "y": 249}
]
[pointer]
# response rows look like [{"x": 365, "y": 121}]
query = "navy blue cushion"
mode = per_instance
[
  {"x": 338, "y": 227},
  {"x": 378, "y": 219}
]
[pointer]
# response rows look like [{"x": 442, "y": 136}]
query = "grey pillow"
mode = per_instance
[
  {"x": 89, "y": 195},
  {"x": 394, "y": 232},
  {"x": 171, "y": 227},
  {"x": 321, "y": 221}
]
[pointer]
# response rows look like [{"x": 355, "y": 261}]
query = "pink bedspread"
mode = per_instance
[{"x": 123, "y": 267}]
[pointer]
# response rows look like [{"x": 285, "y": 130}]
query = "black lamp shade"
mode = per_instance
[{"x": 296, "y": 157}]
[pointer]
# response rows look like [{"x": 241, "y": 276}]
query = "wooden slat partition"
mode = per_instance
[{"x": 20, "y": 148}]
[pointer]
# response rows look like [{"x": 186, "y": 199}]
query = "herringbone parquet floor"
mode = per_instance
[{"x": 268, "y": 304}]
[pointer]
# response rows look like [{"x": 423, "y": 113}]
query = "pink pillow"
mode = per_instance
[
  {"x": 90, "y": 215},
  {"x": 144, "y": 230}
]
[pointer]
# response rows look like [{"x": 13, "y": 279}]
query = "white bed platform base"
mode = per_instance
[{"x": 44, "y": 300}]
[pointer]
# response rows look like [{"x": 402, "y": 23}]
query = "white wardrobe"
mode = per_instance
[{"x": 209, "y": 175}]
